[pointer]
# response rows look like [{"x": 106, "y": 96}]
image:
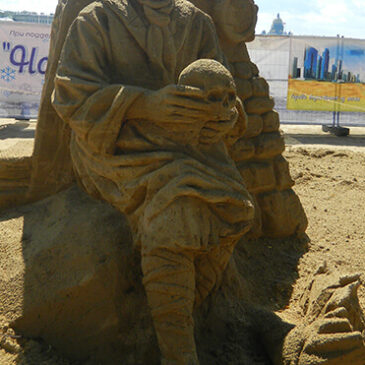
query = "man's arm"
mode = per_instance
[
  {"x": 85, "y": 96},
  {"x": 87, "y": 99}
]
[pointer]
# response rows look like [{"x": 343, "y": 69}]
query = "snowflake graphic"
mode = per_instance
[{"x": 7, "y": 74}]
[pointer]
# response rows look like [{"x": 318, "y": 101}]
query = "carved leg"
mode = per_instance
[
  {"x": 209, "y": 270},
  {"x": 169, "y": 280}
]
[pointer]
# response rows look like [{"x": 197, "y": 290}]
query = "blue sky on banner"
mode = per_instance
[{"x": 309, "y": 17}]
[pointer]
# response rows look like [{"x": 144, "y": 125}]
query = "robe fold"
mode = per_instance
[{"x": 104, "y": 66}]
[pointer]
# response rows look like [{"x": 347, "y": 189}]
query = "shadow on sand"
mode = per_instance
[
  {"x": 16, "y": 130},
  {"x": 357, "y": 140}
]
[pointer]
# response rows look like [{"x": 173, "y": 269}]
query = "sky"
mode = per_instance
[
  {"x": 315, "y": 17},
  {"x": 301, "y": 17}
]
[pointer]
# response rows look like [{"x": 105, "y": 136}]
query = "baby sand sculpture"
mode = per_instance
[{"x": 185, "y": 198}]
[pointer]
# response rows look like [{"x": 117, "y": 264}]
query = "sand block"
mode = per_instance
[
  {"x": 282, "y": 214},
  {"x": 271, "y": 122},
  {"x": 258, "y": 176},
  {"x": 243, "y": 70},
  {"x": 11, "y": 197},
  {"x": 260, "y": 87},
  {"x": 242, "y": 150},
  {"x": 269, "y": 145},
  {"x": 15, "y": 168},
  {"x": 244, "y": 88},
  {"x": 75, "y": 280},
  {"x": 282, "y": 173},
  {"x": 259, "y": 105},
  {"x": 254, "y": 126},
  {"x": 254, "y": 69},
  {"x": 15, "y": 158}
]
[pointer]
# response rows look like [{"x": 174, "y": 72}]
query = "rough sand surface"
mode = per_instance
[
  {"x": 331, "y": 185},
  {"x": 330, "y": 180}
]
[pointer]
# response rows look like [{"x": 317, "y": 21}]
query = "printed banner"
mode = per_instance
[
  {"x": 327, "y": 74},
  {"x": 23, "y": 61}
]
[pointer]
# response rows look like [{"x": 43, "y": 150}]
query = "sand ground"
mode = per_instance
[{"x": 329, "y": 174}]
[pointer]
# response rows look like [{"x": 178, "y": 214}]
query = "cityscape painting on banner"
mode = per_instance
[{"x": 327, "y": 75}]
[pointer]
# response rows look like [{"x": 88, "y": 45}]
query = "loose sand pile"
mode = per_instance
[
  {"x": 330, "y": 180},
  {"x": 331, "y": 185}
]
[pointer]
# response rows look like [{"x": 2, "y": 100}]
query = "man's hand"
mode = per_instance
[
  {"x": 329, "y": 341},
  {"x": 173, "y": 104},
  {"x": 329, "y": 291},
  {"x": 333, "y": 332}
]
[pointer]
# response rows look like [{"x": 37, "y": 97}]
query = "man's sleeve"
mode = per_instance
[{"x": 85, "y": 96}]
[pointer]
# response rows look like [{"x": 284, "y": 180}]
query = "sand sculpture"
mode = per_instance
[
  {"x": 257, "y": 153},
  {"x": 185, "y": 199},
  {"x": 120, "y": 155}
]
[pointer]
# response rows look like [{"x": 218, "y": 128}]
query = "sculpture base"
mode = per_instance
[{"x": 76, "y": 283}]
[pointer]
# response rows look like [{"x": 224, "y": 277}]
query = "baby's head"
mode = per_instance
[{"x": 212, "y": 77}]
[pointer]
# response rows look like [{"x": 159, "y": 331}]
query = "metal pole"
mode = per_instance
[
  {"x": 340, "y": 85},
  {"x": 335, "y": 106}
]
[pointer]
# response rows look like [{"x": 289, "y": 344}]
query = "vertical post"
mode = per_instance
[
  {"x": 289, "y": 72},
  {"x": 290, "y": 52},
  {"x": 338, "y": 80},
  {"x": 340, "y": 84},
  {"x": 341, "y": 131},
  {"x": 335, "y": 106}
]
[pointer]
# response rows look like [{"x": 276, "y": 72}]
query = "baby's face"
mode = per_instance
[
  {"x": 216, "y": 82},
  {"x": 221, "y": 89}
]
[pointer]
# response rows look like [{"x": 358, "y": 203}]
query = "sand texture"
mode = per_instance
[{"x": 330, "y": 181}]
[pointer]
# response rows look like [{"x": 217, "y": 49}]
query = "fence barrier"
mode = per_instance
[
  {"x": 23, "y": 61},
  {"x": 314, "y": 80}
]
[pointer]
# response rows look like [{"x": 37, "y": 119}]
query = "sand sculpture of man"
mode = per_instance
[
  {"x": 115, "y": 83},
  {"x": 118, "y": 71}
]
